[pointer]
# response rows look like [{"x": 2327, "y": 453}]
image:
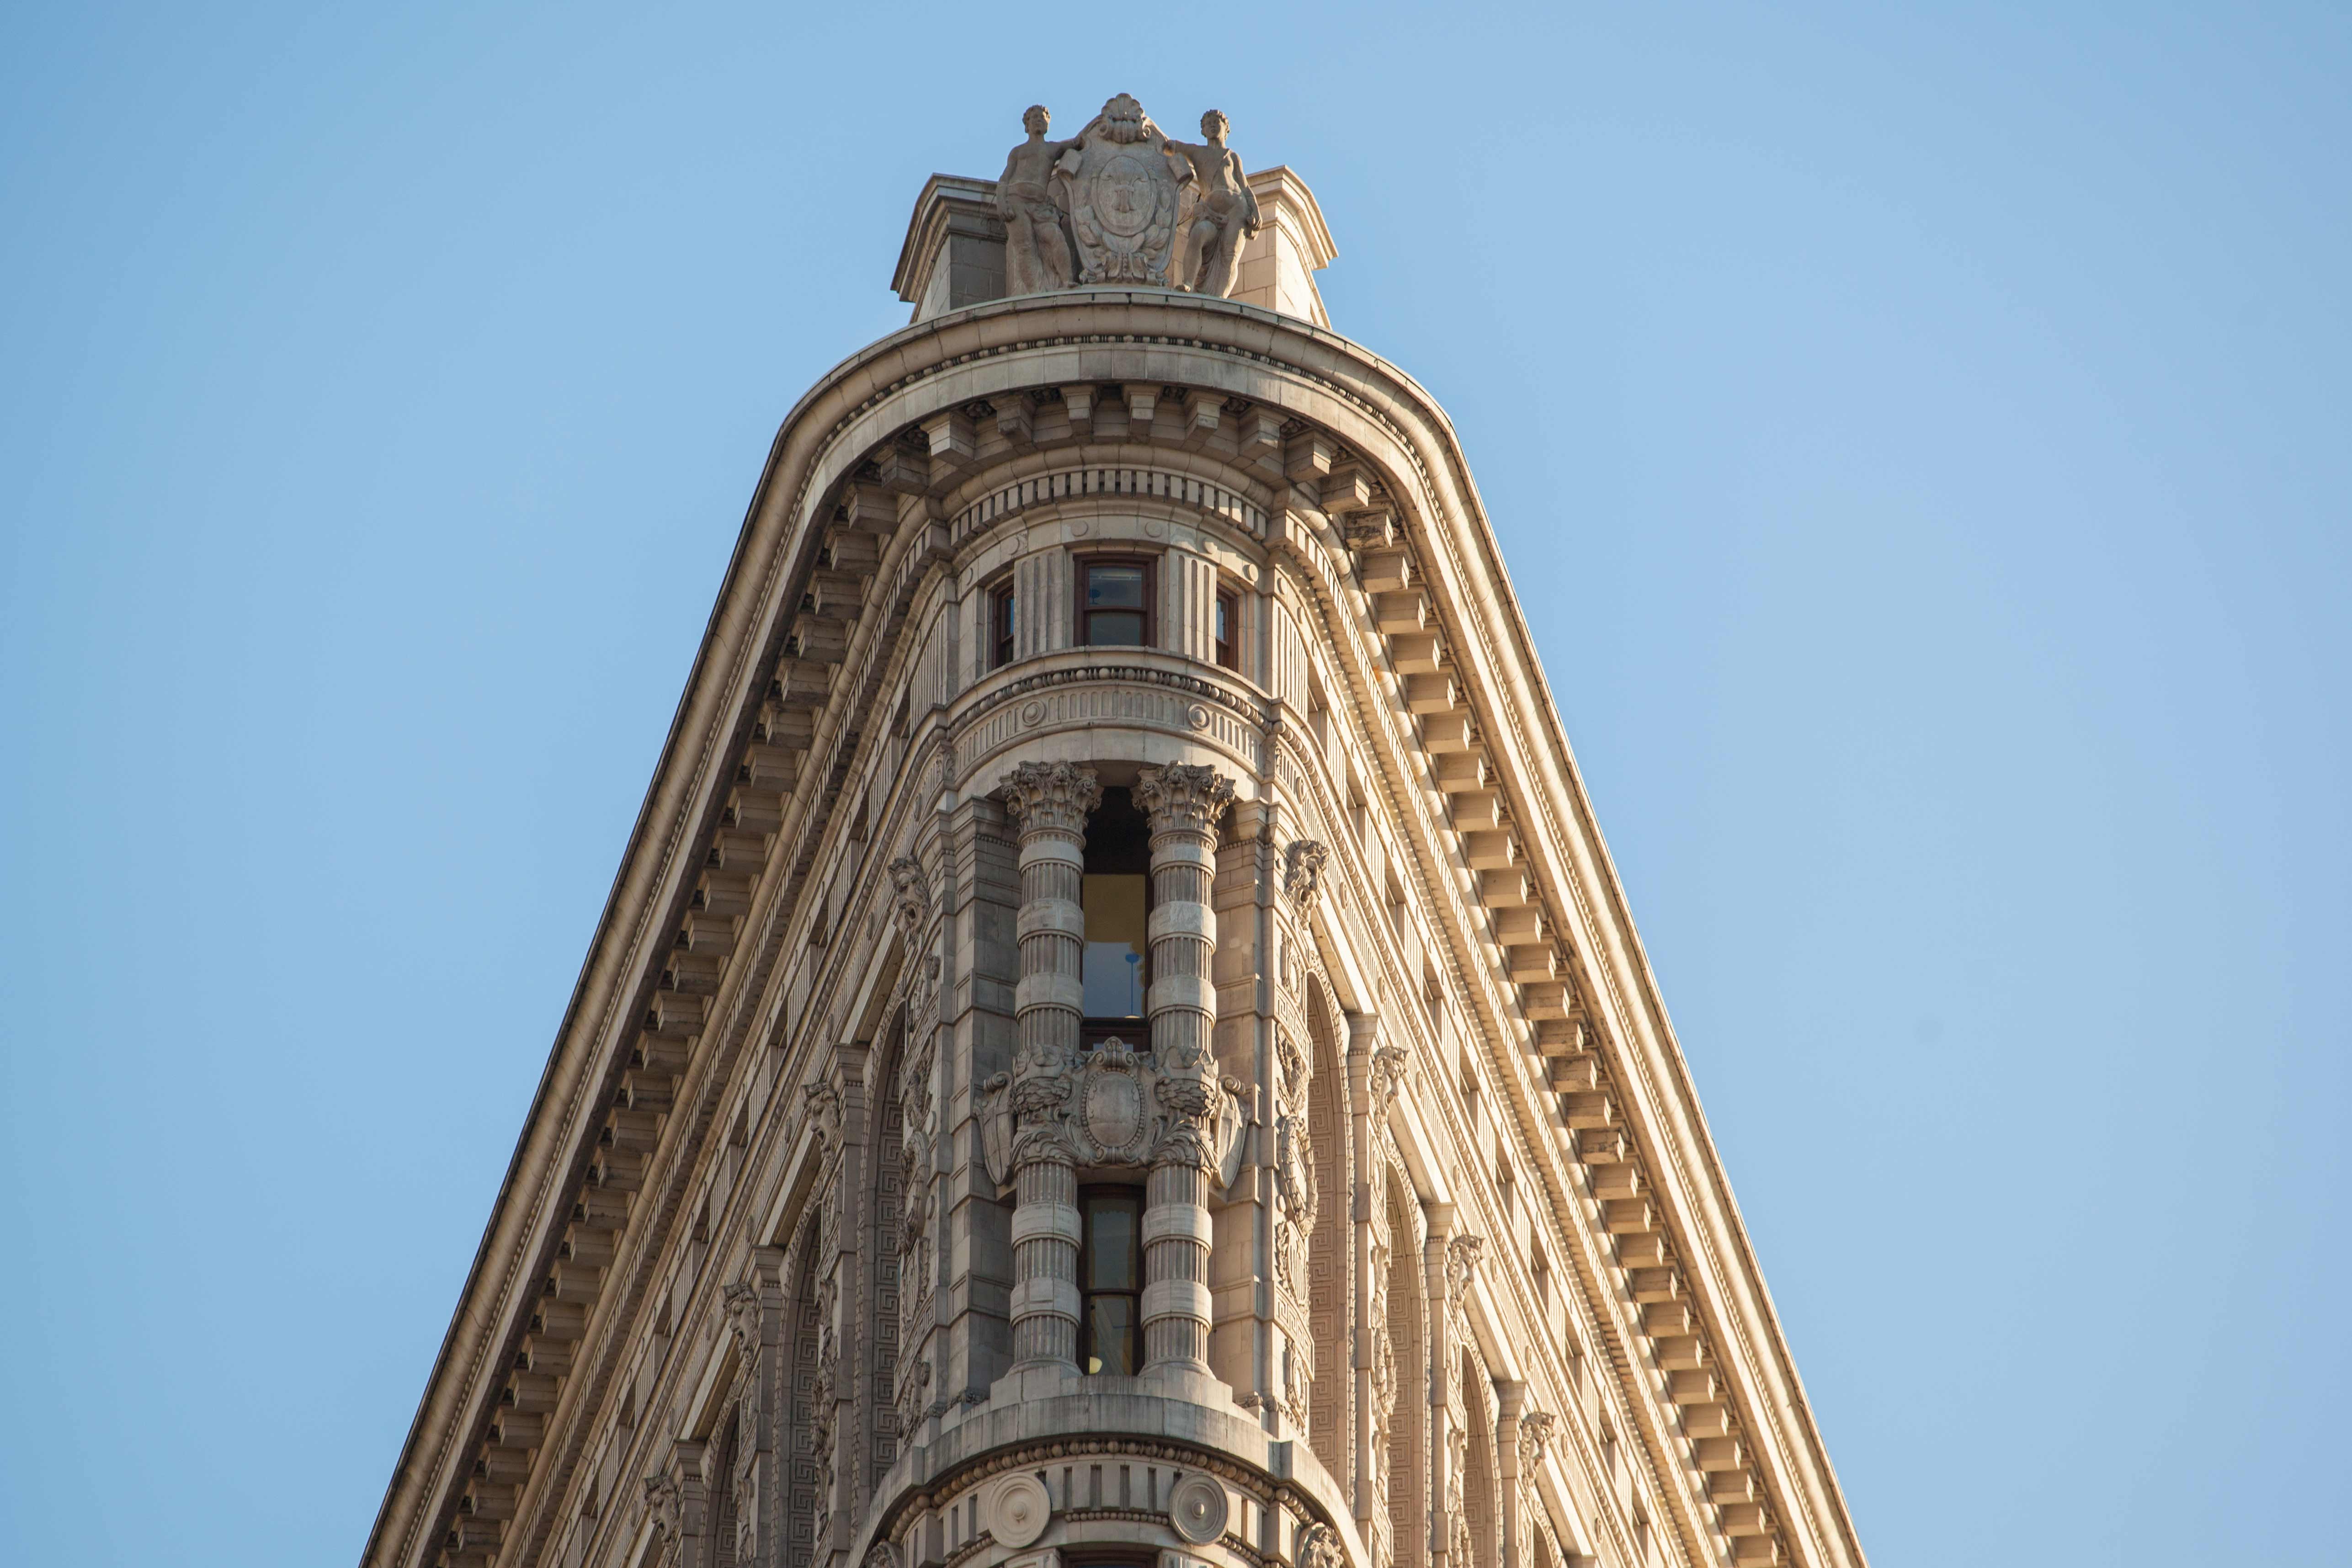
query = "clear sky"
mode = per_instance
[{"x": 1919, "y": 442}]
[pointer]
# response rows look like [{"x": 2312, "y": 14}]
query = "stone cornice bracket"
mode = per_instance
[
  {"x": 1302, "y": 876},
  {"x": 1051, "y": 796},
  {"x": 1462, "y": 1256}
]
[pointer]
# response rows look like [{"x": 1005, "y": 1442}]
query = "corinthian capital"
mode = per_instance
[
  {"x": 1183, "y": 796},
  {"x": 1046, "y": 797}
]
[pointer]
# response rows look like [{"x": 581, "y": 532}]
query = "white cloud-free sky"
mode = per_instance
[{"x": 1919, "y": 437}]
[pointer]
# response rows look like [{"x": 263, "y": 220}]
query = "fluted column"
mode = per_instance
[
  {"x": 1184, "y": 802},
  {"x": 1050, "y": 801}
]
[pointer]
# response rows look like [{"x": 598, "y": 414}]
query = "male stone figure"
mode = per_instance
[
  {"x": 1036, "y": 257},
  {"x": 1224, "y": 214}
]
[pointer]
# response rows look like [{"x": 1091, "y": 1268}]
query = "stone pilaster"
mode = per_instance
[
  {"x": 1050, "y": 801},
  {"x": 980, "y": 891},
  {"x": 1185, "y": 800},
  {"x": 1435, "y": 1290},
  {"x": 1367, "y": 1102},
  {"x": 1510, "y": 1398}
]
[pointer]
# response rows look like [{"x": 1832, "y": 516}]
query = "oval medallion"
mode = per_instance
[
  {"x": 1124, "y": 195},
  {"x": 1114, "y": 1111}
]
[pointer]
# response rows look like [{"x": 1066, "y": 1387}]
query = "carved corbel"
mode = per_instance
[
  {"x": 1319, "y": 1547},
  {"x": 910, "y": 896},
  {"x": 741, "y": 1304},
  {"x": 1303, "y": 871},
  {"x": 1535, "y": 1432},
  {"x": 666, "y": 1508},
  {"x": 1392, "y": 1064},
  {"x": 1462, "y": 1255},
  {"x": 824, "y": 1103}
]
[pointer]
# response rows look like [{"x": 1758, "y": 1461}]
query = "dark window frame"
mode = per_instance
[
  {"x": 1135, "y": 1028},
  {"x": 1088, "y": 1196},
  {"x": 1227, "y": 649},
  {"x": 1082, "y": 625},
  {"x": 1001, "y": 609}
]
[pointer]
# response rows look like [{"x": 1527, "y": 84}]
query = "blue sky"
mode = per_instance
[{"x": 1918, "y": 438}]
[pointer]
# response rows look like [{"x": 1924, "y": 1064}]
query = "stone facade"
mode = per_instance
[{"x": 1116, "y": 1041}]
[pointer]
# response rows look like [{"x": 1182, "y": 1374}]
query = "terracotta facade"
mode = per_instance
[{"x": 1116, "y": 1041}]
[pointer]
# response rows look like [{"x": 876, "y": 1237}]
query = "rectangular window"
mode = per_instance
[
  {"x": 1115, "y": 899},
  {"x": 1110, "y": 1281},
  {"x": 1229, "y": 630},
  {"x": 1115, "y": 603},
  {"x": 1000, "y": 627}
]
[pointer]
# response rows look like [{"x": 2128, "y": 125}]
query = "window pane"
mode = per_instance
[
  {"x": 1114, "y": 588},
  {"x": 1114, "y": 1244},
  {"x": 1115, "y": 629},
  {"x": 1111, "y": 970},
  {"x": 1110, "y": 1336},
  {"x": 1222, "y": 635}
]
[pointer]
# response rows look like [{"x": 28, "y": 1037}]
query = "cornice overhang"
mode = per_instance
[{"x": 1109, "y": 335}]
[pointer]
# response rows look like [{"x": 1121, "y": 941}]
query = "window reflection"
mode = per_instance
[
  {"x": 1112, "y": 971},
  {"x": 1115, "y": 896},
  {"x": 1111, "y": 1282},
  {"x": 1114, "y": 604}
]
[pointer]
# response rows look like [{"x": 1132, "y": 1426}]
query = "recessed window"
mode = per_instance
[
  {"x": 1110, "y": 1281},
  {"x": 1229, "y": 630},
  {"x": 1115, "y": 895},
  {"x": 1115, "y": 603},
  {"x": 1000, "y": 627}
]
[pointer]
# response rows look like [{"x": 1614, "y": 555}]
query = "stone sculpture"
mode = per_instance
[
  {"x": 1224, "y": 213},
  {"x": 1036, "y": 257},
  {"x": 1138, "y": 206}
]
